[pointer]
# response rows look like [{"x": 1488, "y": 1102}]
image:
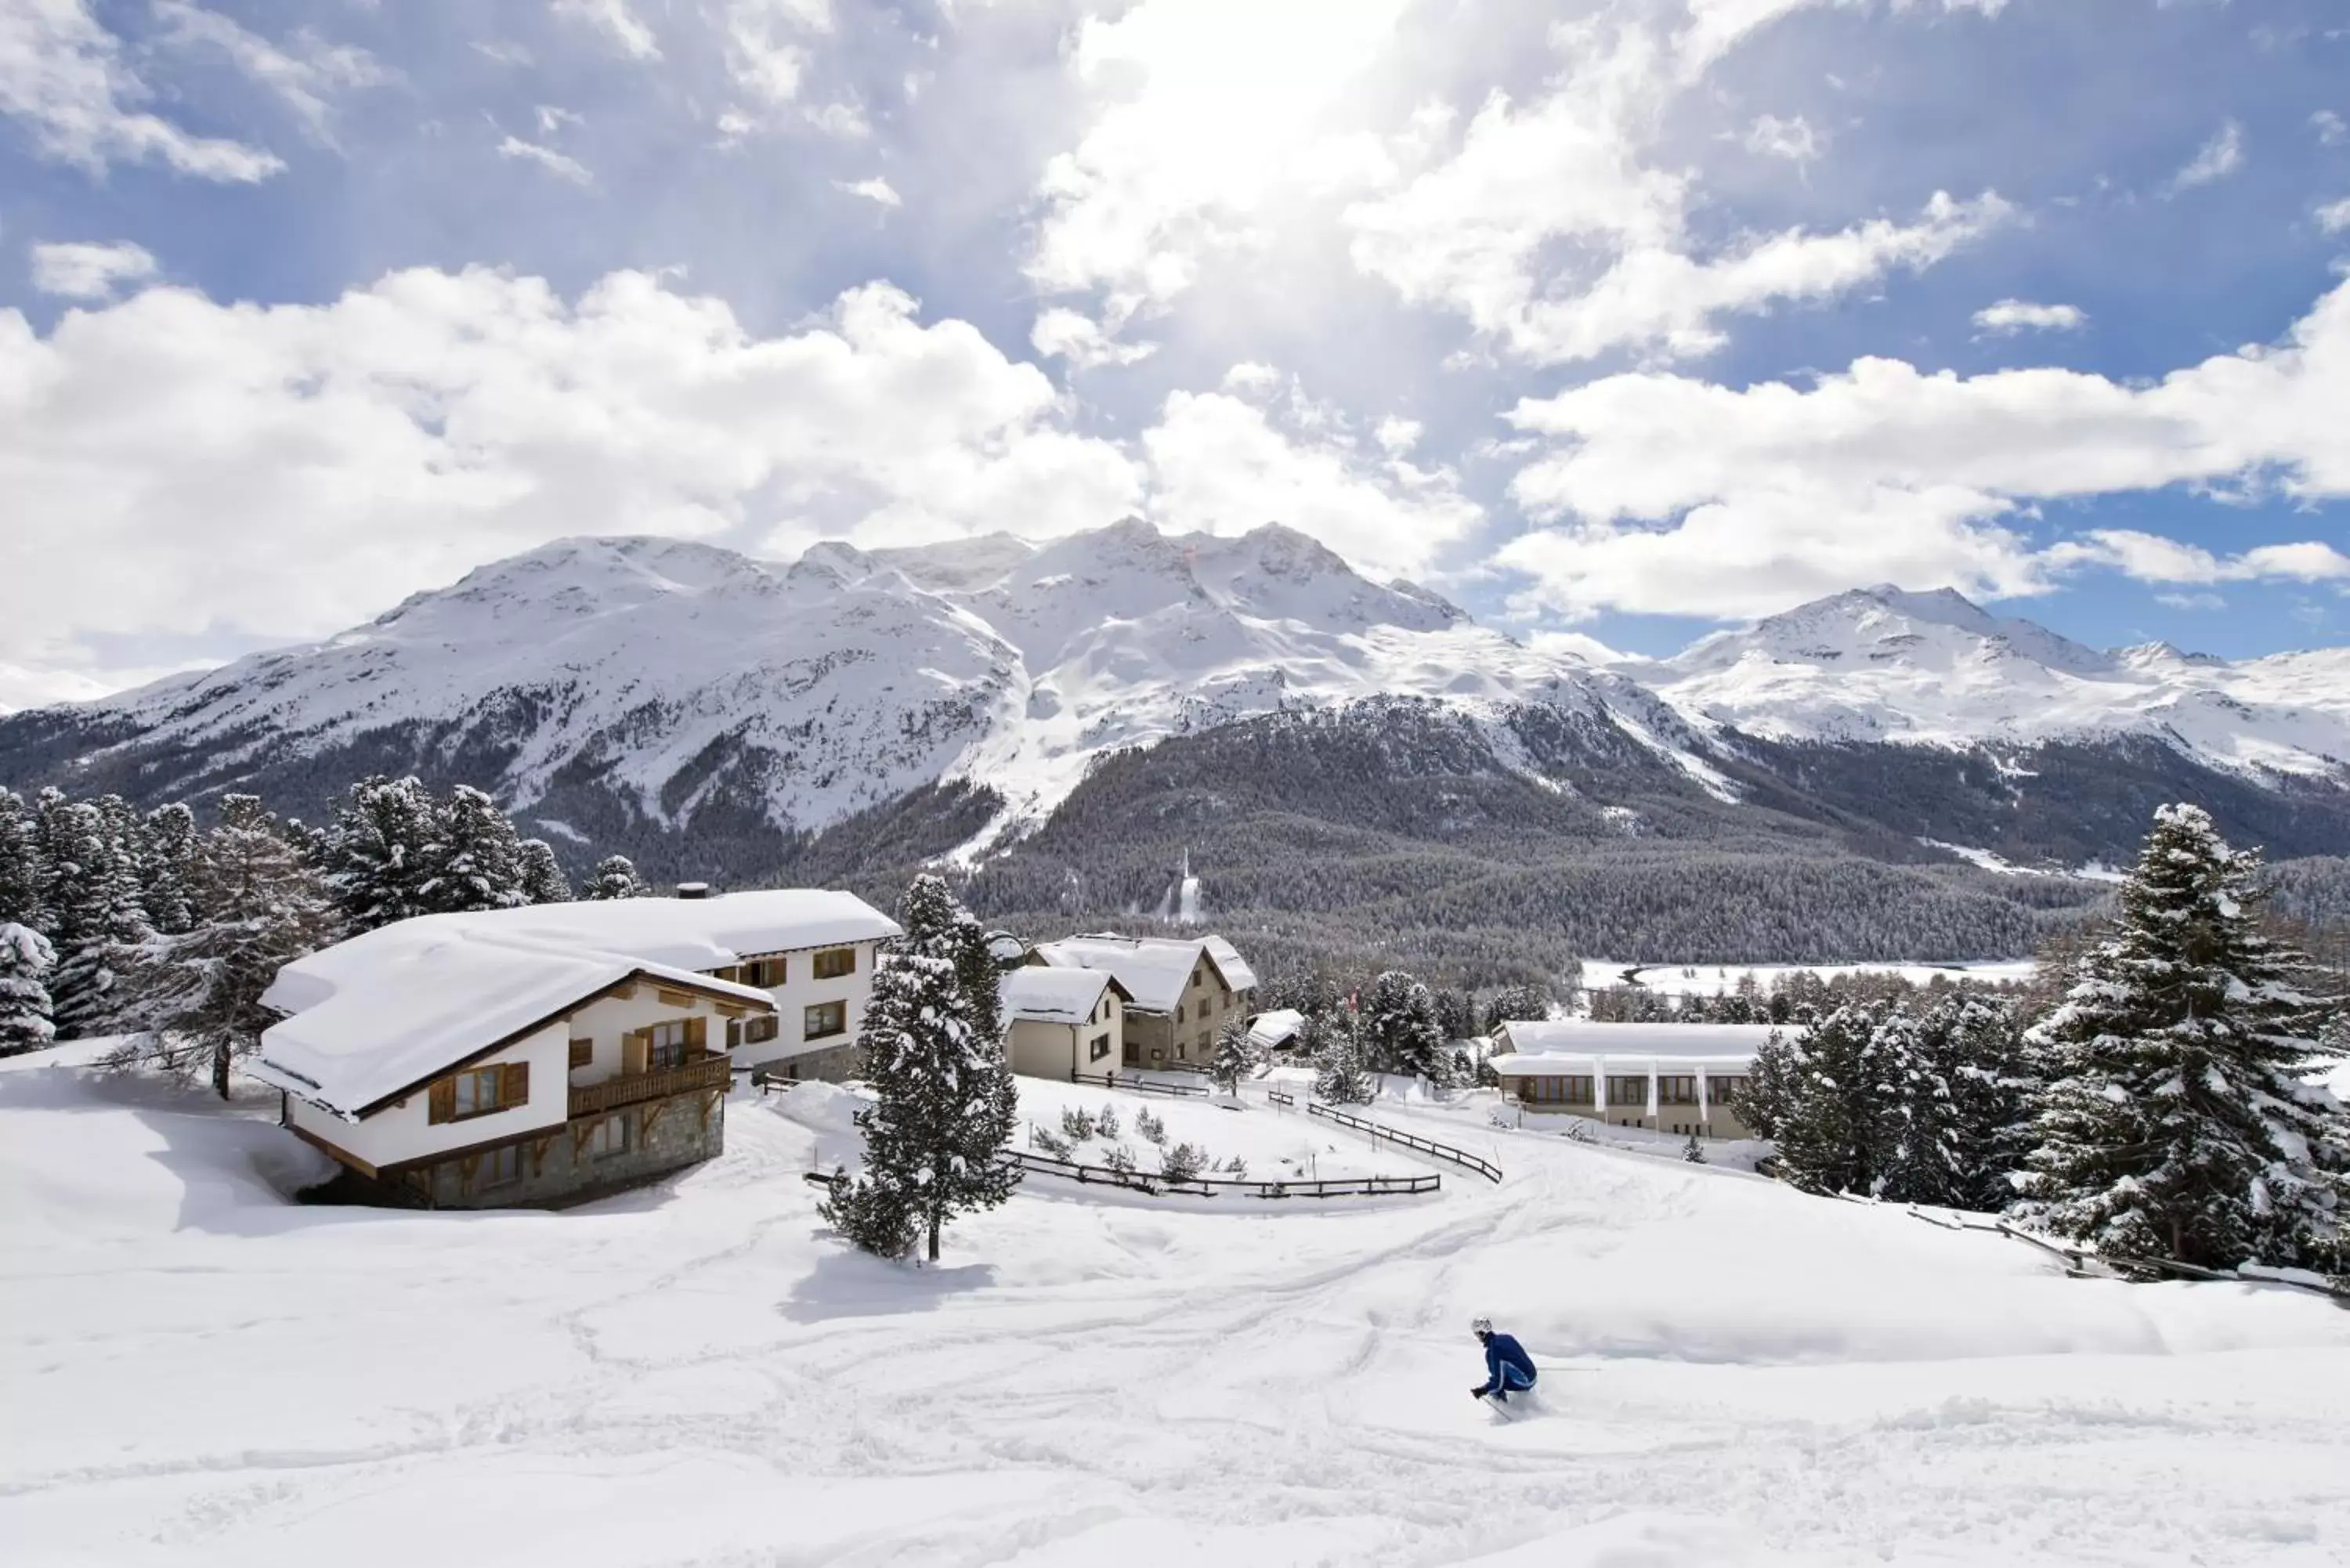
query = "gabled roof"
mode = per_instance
[
  {"x": 1574, "y": 1045},
  {"x": 372, "y": 1018},
  {"x": 1056, "y": 995},
  {"x": 1154, "y": 970}
]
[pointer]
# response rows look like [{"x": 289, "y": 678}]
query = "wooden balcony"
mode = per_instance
[{"x": 710, "y": 1070}]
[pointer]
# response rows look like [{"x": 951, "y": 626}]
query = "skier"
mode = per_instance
[{"x": 1508, "y": 1368}]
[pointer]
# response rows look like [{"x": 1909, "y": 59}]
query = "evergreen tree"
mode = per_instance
[
  {"x": 262, "y": 906},
  {"x": 1771, "y": 1086},
  {"x": 1827, "y": 1132},
  {"x": 1991, "y": 1088},
  {"x": 1235, "y": 1059},
  {"x": 2175, "y": 1123},
  {"x": 616, "y": 878},
  {"x": 477, "y": 861},
  {"x": 932, "y": 1049},
  {"x": 1694, "y": 1151},
  {"x": 167, "y": 866},
  {"x": 25, "y": 957},
  {"x": 1516, "y": 1004},
  {"x": 542, "y": 881},
  {"x": 381, "y": 852},
  {"x": 1400, "y": 1031},
  {"x": 1914, "y": 1125},
  {"x": 1339, "y": 1077},
  {"x": 20, "y": 863},
  {"x": 91, "y": 896}
]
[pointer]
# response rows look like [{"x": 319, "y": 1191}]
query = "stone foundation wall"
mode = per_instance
[{"x": 553, "y": 1170}]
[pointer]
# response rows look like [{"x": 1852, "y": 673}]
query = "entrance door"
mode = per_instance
[{"x": 1132, "y": 1056}]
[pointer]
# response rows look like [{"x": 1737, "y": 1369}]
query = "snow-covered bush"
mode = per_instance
[
  {"x": 1184, "y": 1162},
  {"x": 1151, "y": 1127},
  {"x": 1075, "y": 1126}
]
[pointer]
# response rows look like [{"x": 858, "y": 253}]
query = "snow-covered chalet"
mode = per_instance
[
  {"x": 1177, "y": 992},
  {"x": 541, "y": 1055},
  {"x": 1667, "y": 1077}
]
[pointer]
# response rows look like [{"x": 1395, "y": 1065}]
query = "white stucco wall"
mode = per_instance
[
  {"x": 402, "y": 1130},
  {"x": 603, "y": 1021},
  {"x": 1042, "y": 1049},
  {"x": 800, "y": 991}
]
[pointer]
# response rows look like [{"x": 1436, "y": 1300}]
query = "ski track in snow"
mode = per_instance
[{"x": 698, "y": 1374}]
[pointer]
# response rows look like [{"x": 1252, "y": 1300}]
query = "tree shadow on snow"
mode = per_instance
[{"x": 848, "y": 1283}]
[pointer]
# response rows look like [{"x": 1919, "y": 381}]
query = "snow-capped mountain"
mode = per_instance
[
  {"x": 675, "y": 676},
  {"x": 1933, "y": 669}
]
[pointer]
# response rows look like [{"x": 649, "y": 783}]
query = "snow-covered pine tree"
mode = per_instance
[
  {"x": 1981, "y": 1049},
  {"x": 2175, "y": 1123},
  {"x": 616, "y": 878},
  {"x": 26, "y": 957},
  {"x": 1235, "y": 1057},
  {"x": 1827, "y": 1129},
  {"x": 168, "y": 856},
  {"x": 1913, "y": 1114},
  {"x": 1339, "y": 1077},
  {"x": 92, "y": 897},
  {"x": 542, "y": 881},
  {"x": 260, "y": 905},
  {"x": 380, "y": 850},
  {"x": 20, "y": 863},
  {"x": 1694, "y": 1151},
  {"x": 932, "y": 1049},
  {"x": 1400, "y": 1032},
  {"x": 1516, "y": 1004},
  {"x": 1772, "y": 1085},
  {"x": 477, "y": 861}
]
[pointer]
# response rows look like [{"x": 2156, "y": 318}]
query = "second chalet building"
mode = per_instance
[
  {"x": 543, "y": 1054},
  {"x": 1174, "y": 995}
]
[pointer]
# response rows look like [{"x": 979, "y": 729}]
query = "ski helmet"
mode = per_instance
[{"x": 1480, "y": 1326}]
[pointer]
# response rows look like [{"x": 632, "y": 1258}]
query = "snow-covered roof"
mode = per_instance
[
  {"x": 1153, "y": 969},
  {"x": 377, "y": 1015},
  {"x": 1055, "y": 995},
  {"x": 1580, "y": 1046},
  {"x": 1271, "y": 1028}
]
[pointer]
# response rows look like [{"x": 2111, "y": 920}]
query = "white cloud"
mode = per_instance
[
  {"x": 305, "y": 77},
  {"x": 74, "y": 271},
  {"x": 2012, "y": 315},
  {"x": 1792, "y": 139},
  {"x": 1398, "y": 436},
  {"x": 2192, "y": 601},
  {"x": 1222, "y": 465},
  {"x": 63, "y": 75},
  {"x": 1251, "y": 378},
  {"x": 1888, "y": 472},
  {"x": 616, "y": 22},
  {"x": 552, "y": 119},
  {"x": 2334, "y": 216},
  {"x": 1550, "y": 232},
  {"x": 2219, "y": 158},
  {"x": 389, "y": 439},
  {"x": 843, "y": 119},
  {"x": 546, "y": 158},
  {"x": 1070, "y": 335},
  {"x": 2331, "y": 128},
  {"x": 1212, "y": 117},
  {"x": 876, "y": 189},
  {"x": 766, "y": 44}
]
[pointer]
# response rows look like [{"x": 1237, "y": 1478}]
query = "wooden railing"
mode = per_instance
[
  {"x": 1143, "y": 1085},
  {"x": 712, "y": 1070},
  {"x": 1209, "y": 1186},
  {"x": 1429, "y": 1146}
]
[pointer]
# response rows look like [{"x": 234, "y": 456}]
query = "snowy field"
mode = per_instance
[
  {"x": 1706, "y": 979},
  {"x": 197, "y": 1372}
]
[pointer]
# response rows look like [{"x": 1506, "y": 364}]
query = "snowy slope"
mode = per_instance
[
  {"x": 199, "y": 1373},
  {"x": 1880, "y": 664}
]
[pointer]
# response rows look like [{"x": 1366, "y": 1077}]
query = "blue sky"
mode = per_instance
[{"x": 1626, "y": 319}]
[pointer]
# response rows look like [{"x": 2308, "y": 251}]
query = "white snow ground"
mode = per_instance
[{"x": 197, "y": 1372}]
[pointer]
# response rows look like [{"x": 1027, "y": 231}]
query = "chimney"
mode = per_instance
[{"x": 694, "y": 889}]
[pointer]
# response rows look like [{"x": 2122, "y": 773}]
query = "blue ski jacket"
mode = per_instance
[{"x": 1503, "y": 1351}]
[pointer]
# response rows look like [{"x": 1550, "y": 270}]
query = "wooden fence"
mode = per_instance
[
  {"x": 1429, "y": 1146},
  {"x": 1142, "y": 1085},
  {"x": 1209, "y": 1186}
]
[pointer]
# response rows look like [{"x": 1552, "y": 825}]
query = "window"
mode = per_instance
[
  {"x": 583, "y": 1052},
  {"x": 831, "y": 963},
  {"x": 824, "y": 1018},
  {"x": 609, "y": 1138},
  {"x": 1569, "y": 1090},
  {"x": 766, "y": 973},
  {"x": 666, "y": 1044},
  {"x": 1627, "y": 1092},
  {"x": 478, "y": 1092},
  {"x": 1179, "y": 1012},
  {"x": 1098, "y": 1049},
  {"x": 502, "y": 1166},
  {"x": 766, "y": 1026},
  {"x": 1719, "y": 1089},
  {"x": 1207, "y": 1045},
  {"x": 1676, "y": 1090}
]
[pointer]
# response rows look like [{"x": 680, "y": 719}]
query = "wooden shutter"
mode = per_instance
[
  {"x": 516, "y": 1090},
  {"x": 441, "y": 1102},
  {"x": 635, "y": 1046},
  {"x": 583, "y": 1053},
  {"x": 697, "y": 1034}
]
